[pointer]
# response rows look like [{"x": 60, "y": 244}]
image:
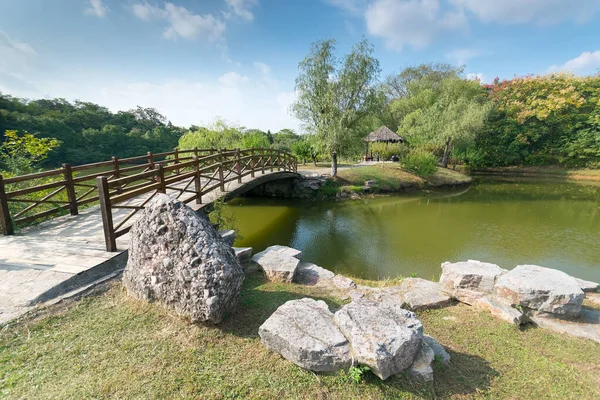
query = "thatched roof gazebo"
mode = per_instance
[{"x": 382, "y": 134}]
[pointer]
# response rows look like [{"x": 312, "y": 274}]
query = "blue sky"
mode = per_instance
[{"x": 195, "y": 60}]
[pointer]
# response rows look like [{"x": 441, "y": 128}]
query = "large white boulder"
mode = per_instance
[
  {"x": 469, "y": 280},
  {"x": 420, "y": 294},
  {"x": 303, "y": 332},
  {"x": 587, "y": 286},
  {"x": 541, "y": 289},
  {"x": 385, "y": 337},
  {"x": 178, "y": 259},
  {"x": 311, "y": 274},
  {"x": 279, "y": 262}
]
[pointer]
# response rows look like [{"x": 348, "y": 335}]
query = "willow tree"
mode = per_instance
[
  {"x": 335, "y": 95},
  {"x": 439, "y": 114}
]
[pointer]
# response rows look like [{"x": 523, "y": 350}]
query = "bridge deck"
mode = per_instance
[{"x": 54, "y": 253}]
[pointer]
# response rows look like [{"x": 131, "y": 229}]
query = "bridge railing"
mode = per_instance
[
  {"x": 188, "y": 181},
  {"x": 29, "y": 198}
]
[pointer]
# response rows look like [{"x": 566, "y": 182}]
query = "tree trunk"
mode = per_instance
[
  {"x": 334, "y": 164},
  {"x": 314, "y": 158},
  {"x": 446, "y": 153}
]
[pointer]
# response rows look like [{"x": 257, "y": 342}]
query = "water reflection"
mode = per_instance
[{"x": 555, "y": 225}]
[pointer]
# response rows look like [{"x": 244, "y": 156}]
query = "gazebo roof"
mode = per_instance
[{"x": 384, "y": 134}]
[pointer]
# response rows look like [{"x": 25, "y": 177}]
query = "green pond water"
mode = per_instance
[{"x": 555, "y": 225}]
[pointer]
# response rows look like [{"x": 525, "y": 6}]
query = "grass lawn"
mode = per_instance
[
  {"x": 111, "y": 346},
  {"x": 391, "y": 177}
]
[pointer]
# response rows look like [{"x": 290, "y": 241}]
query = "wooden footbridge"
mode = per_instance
[{"x": 61, "y": 223}]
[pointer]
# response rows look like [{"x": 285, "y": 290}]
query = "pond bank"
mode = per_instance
[{"x": 542, "y": 172}]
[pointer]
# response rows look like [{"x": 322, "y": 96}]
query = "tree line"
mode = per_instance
[
  {"x": 445, "y": 118},
  {"x": 45, "y": 133}
]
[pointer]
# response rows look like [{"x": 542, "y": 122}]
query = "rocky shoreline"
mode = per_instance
[
  {"x": 323, "y": 188},
  {"x": 528, "y": 294},
  {"x": 179, "y": 260}
]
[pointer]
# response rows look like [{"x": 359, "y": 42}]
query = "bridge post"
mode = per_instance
[
  {"x": 150, "y": 160},
  {"x": 176, "y": 160},
  {"x": 162, "y": 187},
  {"x": 197, "y": 182},
  {"x": 106, "y": 211},
  {"x": 262, "y": 163},
  {"x": 252, "y": 162},
  {"x": 271, "y": 152},
  {"x": 5, "y": 220},
  {"x": 221, "y": 179},
  {"x": 117, "y": 173},
  {"x": 238, "y": 165},
  {"x": 70, "y": 186}
]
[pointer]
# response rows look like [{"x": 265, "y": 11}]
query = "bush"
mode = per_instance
[
  {"x": 387, "y": 150},
  {"x": 421, "y": 162}
]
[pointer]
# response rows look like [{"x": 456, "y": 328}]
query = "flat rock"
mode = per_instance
[
  {"x": 469, "y": 280},
  {"x": 228, "y": 236},
  {"x": 542, "y": 289},
  {"x": 422, "y": 368},
  {"x": 343, "y": 282},
  {"x": 384, "y": 337},
  {"x": 303, "y": 332},
  {"x": 500, "y": 309},
  {"x": 281, "y": 250},
  {"x": 179, "y": 260},
  {"x": 243, "y": 254},
  {"x": 421, "y": 294},
  {"x": 587, "y": 286},
  {"x": 438, "y": 350},
  {"x": 586, "y": 326},
  {"x": 279, "y": 263},
  {"x": 311, "y": 274}
]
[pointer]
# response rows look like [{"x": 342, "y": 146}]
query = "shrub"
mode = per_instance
[
  {"x": 387, "y": 150},
  {"x": 421, "y": 162}
]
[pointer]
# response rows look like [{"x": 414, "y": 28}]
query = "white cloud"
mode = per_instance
[
  {"x": 14, "y": 46},
  {"x": 181, "y": 22},
  {"x": 242, "y": 8},
  {"x": 263, "y": 68},
  {"x": 16, "y": 58},
  {"x": 187, "y": 101},
  {"x": 411, "y": 22},
  {"x": 97, "y": 8},
  {"x": 462, "y": 56},
  {"x": 232, "y": 79},
  {"x": 522, "y": 11},
  {"x": 146, "y": 12},
  {"x": 586, "y": 63}
]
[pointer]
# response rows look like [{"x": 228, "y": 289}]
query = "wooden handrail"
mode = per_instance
[{"x": 127, "y": 178}]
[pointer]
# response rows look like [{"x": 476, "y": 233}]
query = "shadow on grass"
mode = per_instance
[
  {"x": 465, "y": 375},
  {"x": 259, "y": 299}
]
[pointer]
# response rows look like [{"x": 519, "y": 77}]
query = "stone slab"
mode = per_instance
[
  {"x": 541, "y": 289},
  {"x": 587, "y": 286},
  {"x": 303, "y": 332},
  {"x": 421, "y": 294}
]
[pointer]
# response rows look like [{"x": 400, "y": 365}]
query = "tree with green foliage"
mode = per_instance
[
  {"x": 88, "y": 132},
  {"x": 440, "y": 111},
  {"x": 336, "y": 95},
  {"x": 19, "y": 154},
  {"x": 540, "y": 120}
]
